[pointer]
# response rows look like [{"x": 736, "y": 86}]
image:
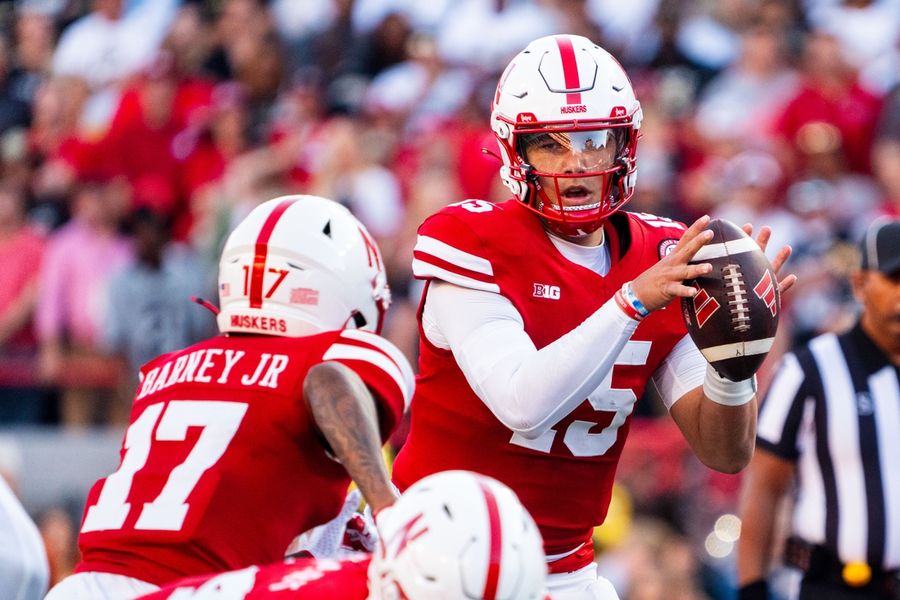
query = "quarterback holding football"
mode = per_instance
[{"x": 545, "y": 317}]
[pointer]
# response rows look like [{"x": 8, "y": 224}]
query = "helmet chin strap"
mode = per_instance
[{"x": 206, "y": 304}]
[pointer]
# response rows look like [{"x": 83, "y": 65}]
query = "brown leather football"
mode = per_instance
[{"x": 734, "y": 316}]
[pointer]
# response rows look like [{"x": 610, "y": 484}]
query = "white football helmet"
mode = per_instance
[
  {"x": 570, "y": 87},
  {"x": 301, "y": 265},
  {"x": 456, "y": 535}
]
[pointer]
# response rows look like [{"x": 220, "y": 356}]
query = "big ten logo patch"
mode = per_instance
[{"x": 542, "y": 290}]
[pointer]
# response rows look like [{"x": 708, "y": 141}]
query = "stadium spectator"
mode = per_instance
[
  {"x": 533, "y": 314},
  {"x": 109, "y": 45},
  {"x": 453, "y": 535},
  {"x": 828, "y": 423},
  {"x": 15, "y": 101},
  {"x": 867, "y": 31},
  {"x": 149, "y": 303},
  {"x": 741, "y": 102},
  {"x": 80, "y": 260},
  {"x": 830, "y": 94},
  {"x": 241, "y": 442},
  {"x": 59, "y": 533},
  {"x": 21, "y": 252}
]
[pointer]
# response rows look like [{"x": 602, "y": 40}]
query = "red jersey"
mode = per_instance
[
  {"x": 222, "y": 464},
  {"x": 565, "y": 477},
  {"x": 293, "y": 579}
]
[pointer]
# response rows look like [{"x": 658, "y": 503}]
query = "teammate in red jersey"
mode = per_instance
[
  {"x": 544, "y": 317},
  {"x": 451, "y": 536},
  {"x": 240, "y": 442}
]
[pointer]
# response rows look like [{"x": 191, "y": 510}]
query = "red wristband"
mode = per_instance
[{"x": 630, "y": 311}]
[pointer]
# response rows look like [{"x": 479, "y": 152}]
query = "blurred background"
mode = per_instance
[{"x": 135, "y": 133}]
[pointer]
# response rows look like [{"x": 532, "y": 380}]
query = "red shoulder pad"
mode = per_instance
[
  {"x": 382, "y": 367},
  {"x": 449, "y": 248},
  {"x": 661, "y": 231}
]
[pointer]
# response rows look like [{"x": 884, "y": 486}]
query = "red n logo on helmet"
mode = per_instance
[{"x": 371, "y": 250}]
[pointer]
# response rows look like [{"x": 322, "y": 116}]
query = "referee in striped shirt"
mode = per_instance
[{"x": 831, "y": 424}]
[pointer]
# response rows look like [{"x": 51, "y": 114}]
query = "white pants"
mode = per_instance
[
  {"x": 23, "y": 559},
  {"x": 583, "y": 584},
  {"x": 99, "y": 586}
]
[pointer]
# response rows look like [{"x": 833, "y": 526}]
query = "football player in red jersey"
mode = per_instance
[
  {"x": 452, "y": 535},
  {"x": 544, "y": 317},
  {"x": 240, "y": 442}
]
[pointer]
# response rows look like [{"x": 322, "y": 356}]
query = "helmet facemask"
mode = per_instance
[{"x": 575, "y": 177}]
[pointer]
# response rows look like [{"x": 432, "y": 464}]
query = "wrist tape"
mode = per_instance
[{"x": 726, "y": 392}]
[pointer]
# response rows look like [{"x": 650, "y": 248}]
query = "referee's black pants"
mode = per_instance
[{"x": 825, "y": 590}]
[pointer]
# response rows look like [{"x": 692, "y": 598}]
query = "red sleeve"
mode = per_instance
[{"x": 382, "y": 367}]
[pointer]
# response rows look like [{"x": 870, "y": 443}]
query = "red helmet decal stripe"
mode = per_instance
[
  {"x": 495, "y": 543},
  {"x": 570, "y": 68},
  {"x": 262, "y": 251}
]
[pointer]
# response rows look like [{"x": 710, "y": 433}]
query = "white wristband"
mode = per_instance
[{"x": 726, "y": 392}]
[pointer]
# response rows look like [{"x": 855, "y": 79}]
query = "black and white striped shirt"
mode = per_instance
[{"x": 834, "y": 409}]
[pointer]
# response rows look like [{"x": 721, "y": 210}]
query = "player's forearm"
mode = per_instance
[
  {"x": 721, "y": 436},
  {"x": 345, "y": 413},
  {"x": 529, "y": 389},
  {"x": 728, "y": 434}
]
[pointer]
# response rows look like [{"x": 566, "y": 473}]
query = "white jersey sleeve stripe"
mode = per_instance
[
  {"x": 425, "y": 270},
  {"x": 373, "y": 357},
  {"x": 454, "y": 256},
  {"x": 409, "y": 379}
]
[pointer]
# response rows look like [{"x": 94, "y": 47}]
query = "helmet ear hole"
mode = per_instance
[{"x": 359, "y": 320}]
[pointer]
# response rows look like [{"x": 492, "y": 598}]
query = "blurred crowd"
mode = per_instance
[{"x": 135, "y": 133}]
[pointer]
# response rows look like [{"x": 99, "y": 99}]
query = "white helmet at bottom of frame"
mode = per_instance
[{"x": 457, "y": 535}]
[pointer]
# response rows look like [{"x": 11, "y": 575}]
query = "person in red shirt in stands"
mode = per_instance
[{"x": 831, "y": 94}]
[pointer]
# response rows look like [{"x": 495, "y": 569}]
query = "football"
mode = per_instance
[{"x": 734, "y": 316}]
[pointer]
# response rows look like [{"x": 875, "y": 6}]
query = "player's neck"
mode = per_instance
[{"x": 589, "y": 240}]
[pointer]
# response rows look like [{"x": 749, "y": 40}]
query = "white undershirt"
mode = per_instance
[{"x": 530, "y": 390}]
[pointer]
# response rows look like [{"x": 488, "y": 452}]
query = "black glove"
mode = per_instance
[{"x": 757, "y": 590}]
